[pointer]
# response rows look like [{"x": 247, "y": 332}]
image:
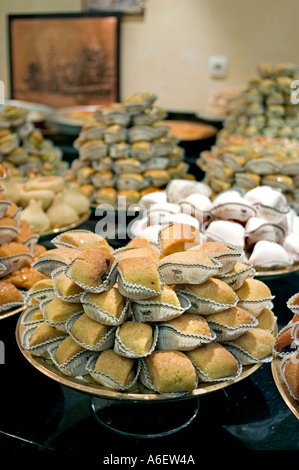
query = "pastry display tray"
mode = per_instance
[
  {"x": 282, "y": 388},
  {"x": 276, "y": 272},
  {"x": 57, "y": 230},
  {"x": 99, "y": 391},
  {"x": 14, "y": 311}
]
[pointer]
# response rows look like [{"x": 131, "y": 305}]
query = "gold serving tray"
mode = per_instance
[
  {"x": 282, "y": 388},
  {"x": 97, "y": 390},
  {"x": 57, "y": 230},
  {"x": 9, "y": 313},
  {"x": 275, "y": 272}
]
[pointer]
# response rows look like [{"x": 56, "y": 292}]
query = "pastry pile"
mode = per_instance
[
  {"x": 47, "y": 202},
  {"x": 126, "y": 150},
  {"x": 148, "y": 320},
  {"x": 260, "y": 221},
  {"x": 23, "y": 148},
  {"x": 18, "y": 250},
  {"x": 286, "y": 347}
]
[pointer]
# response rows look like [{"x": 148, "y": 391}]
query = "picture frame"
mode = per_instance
[
  {"x": 124, "y": 7},
  {"x": 65, "y": 60}
]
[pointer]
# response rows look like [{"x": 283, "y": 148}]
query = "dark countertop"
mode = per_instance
[{"x": 37, "y": 413}]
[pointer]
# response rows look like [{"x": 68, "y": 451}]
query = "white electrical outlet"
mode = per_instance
[{"x": 218, "y": 66}]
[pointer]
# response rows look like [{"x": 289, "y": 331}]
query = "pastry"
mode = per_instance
[
  {"x": 178, "y": 237},
  {"x": 42, "y": 284},
  {"x": 190, "y": 324},
  {"x": 64, "y": 255},
  {"x": 256, "y": 342},
  {"x": 66, "y": 350},
  {"x": 212, "y": 289},
  {"x": 12, "y": 249},
  {"x": 132, "y": 195},
  {"x": 106, "y": 195},
  {"x": 170, "y": 372},
  {"x": 142, "y": 272},
  {"x": 88, "y": 331},
  {"x": 84, "y": 240},
  {"x": 52, "y": 183},
  {"x": 35, "y": 216},
  {"x": 25, "y": 277},
  {"x": 253, "y": 290},
  {"x": 214, "y": 360},
  {"x": 136, "y": 336},
  {"x": 232, "y": 317},
  {"x": 291, "y": 374},
  {"x": 57, "y": 311},
  {"x": 92, "y": 267},
  {"x": 110, "y": 301},
  {"x": 119, "y": 368},
  {"x": 66, "y": 287},
  {"x": 9, "y": 293},
  {"x": 189, "y": 256},
  {"x": 167, "y": 296},
  {"x": 266, "y": 319},
  {"x": 44, "y": 333}
]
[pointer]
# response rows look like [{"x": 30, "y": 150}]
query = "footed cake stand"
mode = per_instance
[{"x": 138, "y": 412}]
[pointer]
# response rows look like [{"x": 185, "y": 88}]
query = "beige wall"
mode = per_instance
[{"x": 166, "y": 52}]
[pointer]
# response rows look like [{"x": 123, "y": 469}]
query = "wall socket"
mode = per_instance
[{"x": 218, "y": 66}]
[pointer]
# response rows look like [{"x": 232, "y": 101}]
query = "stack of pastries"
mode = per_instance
[
  {"x": 286, "y": 348},
  {"x": 258, "y": 144},
  {"x": 127, "y": 150},
  {"x": 18, "y": 250},
  {"x": 148, "y": 320},
  {"x": 23, "y": 148}
]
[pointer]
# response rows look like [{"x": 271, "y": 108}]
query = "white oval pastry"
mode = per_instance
[
  {"x": 291, "y": 245},
  {"x": 231, "y": 205},
  {"x": 226, "y": 231},
  {"x": 257, "y": 229},
  {"x": 268, "y": 254}
]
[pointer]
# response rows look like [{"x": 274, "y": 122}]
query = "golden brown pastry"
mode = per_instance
[
  {"x": 43, "y": 333},
  {"x": 88, "y": 331},
  {"x": 85, "y": 240},
  {"x": 190, "y": 324},
  {"x": 212, "y": 289},
  {"x": 167, "y": 296},
  {"x": 214, "y": 360},
  {"x": 119, "y": 368},
  {"x": 253, "y": 289},
  {"x": 291, "y": 373},
  {"x": 25, "y": 277},
  {"x": 66, "y": 287},
  {"x": 232, "y": 317},
  {"x": 142, "y": 271},
  {"x": 9, "y": 293},
  {"x": 178, "y": 237},
  {"x": 65, "y": 255},
  {"x": 136, "y": 336},
  {"x": 58, "y": 310},
  {"x": 92, "y": 267},
  {"x": 13, "y": 248},
  {"x": 257, "y": 342},
  {"x": 266, "y": 319},
  {"x": 110, "y": 301},
  {"x": 190, "y": 256},
  {"x": 67, "y": 349},
  {"x": 170, "y": 371}
]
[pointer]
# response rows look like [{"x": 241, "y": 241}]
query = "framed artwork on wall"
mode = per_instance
[
  {"x": 64, "y": 60},
  {"x": 126, "y": 7}
]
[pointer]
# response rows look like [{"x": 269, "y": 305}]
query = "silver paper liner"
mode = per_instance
[
  {"x": 39, "y": 295},
  {"x": 227, "y": 258},
  {"x": 105, "y": 343},
  {"x": 236, "y": 280},
  {"x": 266, "y": 231},
  {"x": 8, "y": 233},
  {"x": 40, "y": 349},
  {"x": 115, "y": 151},
  {"x": 140, "y": 132},
  {"x": 228, "y": 333},
  {"x": 135, "y": 291},
  {"x": 97, "y": 314},
  {"x": 282, "y": 368},
  {"x": 150, "y": 311},
  {"x": 188, "y": 273},
  {"x": 290, "y": 304},
  {"x": 106, "y": 380},
  {"x": 47, "y": 264},
  {"x": 107, "y": 284},
  {"x": 174, "y": 339},
  {"x": 203, "y": 377},
  {"x": 205, "y": 306},
  {"x": 233, "y": 211},
  {"x": 71, "y": 298},
  {"x": 114, "y": 137},
  {"x": 31, "y": 242},
  {"x": 263, "y": 166},
  {"x": 255, "y": 306},
  {"x": 75, "y": 366},
  {"x": 10, "y": 306},
  {"x": 123, "y": 350},
  {"x": 271, "y": 213},
  {"x": 26, "y": 318},
  {"x": 145, "y": 379},
  {"x": 94, "y": 152},
  {"x": 4, "y": 205},
  {"x": 62, "y": 325},
  {"x": 244, "y": 356},
  {"x": 12, "y": 263}
]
